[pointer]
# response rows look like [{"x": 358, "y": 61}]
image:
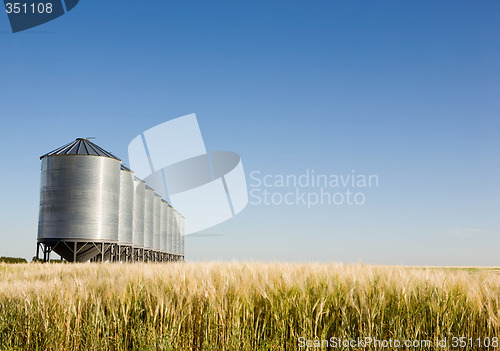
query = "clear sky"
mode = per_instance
[{"x": 406, "y": 90}]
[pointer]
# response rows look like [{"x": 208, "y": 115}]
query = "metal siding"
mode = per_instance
[
  {"x": 178, "y": 233},
  {"x": 149, "y": 218},
  {"x": 126, "y": 214},
  {"x": 157, "y": 222},
  {"x": 170, "y": 230},
  {"x": 139, "y": 202},
  {"x": 181, "y": 232},
  {"x": 163, "y": 226},
  {"x": 176, "y": 240},
  {"x": 79, "y": 198}
]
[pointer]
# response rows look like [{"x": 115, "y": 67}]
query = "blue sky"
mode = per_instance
[{"x": 405, "y": 90}]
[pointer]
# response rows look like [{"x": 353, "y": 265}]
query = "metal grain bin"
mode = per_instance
[
  {"x": 148, "y": 217},
  {"x": 126, "y": 214},
  {"x": 79, "y": 194},
  {"x": 179, "y": 239},
  {"x": 170, "y": 230},
  {"x": 182, "y": 221},
  {"x": 176, "y": 238},
  {"x": 139, "y": 202},
  {"x": 156, "y": 222},
  {"x": 163, "y": 226}
]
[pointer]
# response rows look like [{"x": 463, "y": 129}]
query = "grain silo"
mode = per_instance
[
  {"x": 168, "y": 241},
  {"x": 181, "y": 231},
  {"x": 174, "y": 233},
  {"x": 79, "y": 201},
  {"x": 148, "y": 221},
  {"x": 93, "y": 208},
  {"x": 126, "y": 214},
  {"x": 177, "y": 239},
  {"x": 138, "y": 233},
  {"x": 156, "y": 222},
  {"x": 163, "y": 226}
]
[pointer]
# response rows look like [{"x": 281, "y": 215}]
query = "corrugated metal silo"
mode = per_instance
[
  {"x": 149, "y": 217},
  {"x": 79, "y": 195},
  {"x": 182, "y": 231},
  {"x": 163, "y": 226},
  {"x": 179, "y": 239},
  {"x": 170, "y": 230},
  {"x": 176, "y": 233},
  {"x": 156, "y": 222},
  {"x": 126, "y": 214},
  {"x": 139, "y": 205}
]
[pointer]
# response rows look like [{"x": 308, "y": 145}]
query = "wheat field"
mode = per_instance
[{"x": 241, "y": 306}]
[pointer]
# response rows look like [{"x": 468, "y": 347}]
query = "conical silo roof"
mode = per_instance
[
  {"x": 81, "y": 146},
  {"x": 123, "y": 168}
]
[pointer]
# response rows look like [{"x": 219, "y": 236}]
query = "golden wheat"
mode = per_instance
[{"x": 239, "y": 306}]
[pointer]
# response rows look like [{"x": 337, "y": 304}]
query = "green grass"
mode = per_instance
[{"x": 239, "y": 306}]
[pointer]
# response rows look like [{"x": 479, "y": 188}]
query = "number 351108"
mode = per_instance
[{"x": 17, "y": 7}]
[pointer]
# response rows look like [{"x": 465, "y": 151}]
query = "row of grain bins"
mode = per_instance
[{"x": 92, "y": 208}]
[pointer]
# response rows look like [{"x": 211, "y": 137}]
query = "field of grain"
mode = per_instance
[{"x": 240, "y": 306}]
